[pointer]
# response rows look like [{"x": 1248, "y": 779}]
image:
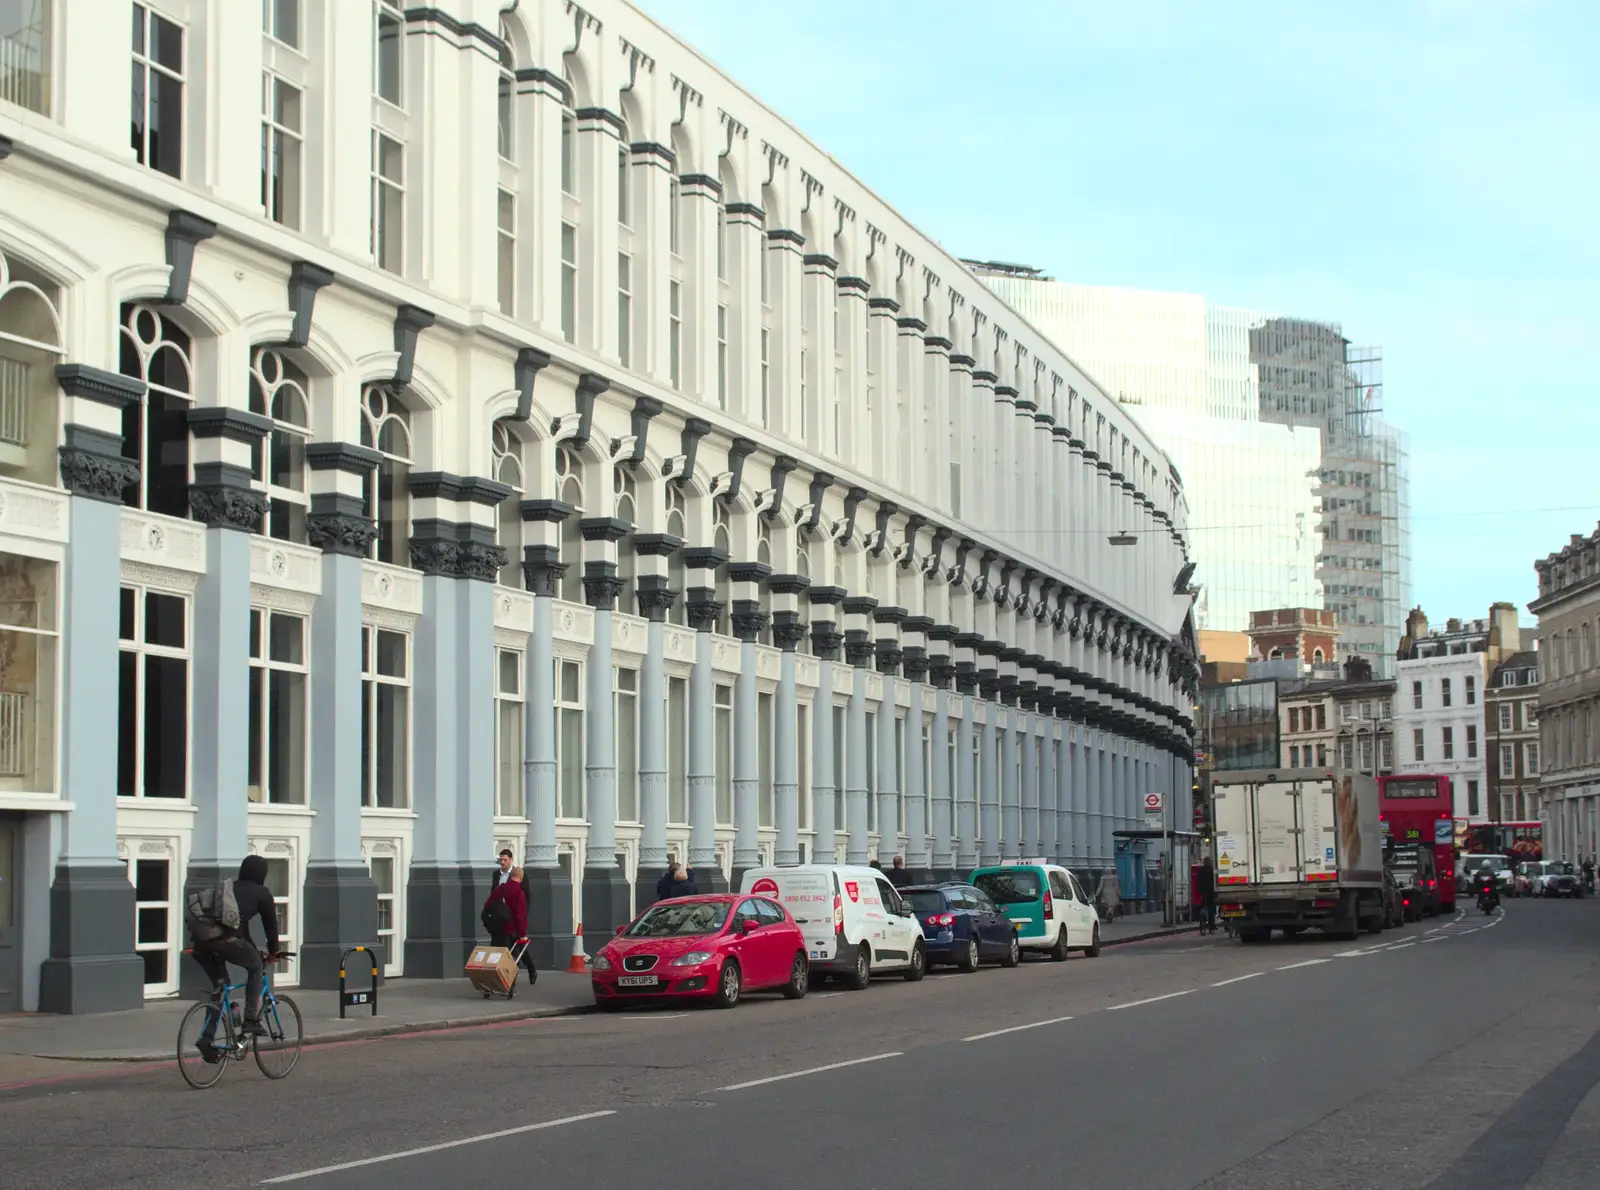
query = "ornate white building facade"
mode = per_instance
[{"x": 453, "y": 428}]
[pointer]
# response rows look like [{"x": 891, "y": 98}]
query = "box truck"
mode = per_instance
[{"x": 1297, "y": 849}]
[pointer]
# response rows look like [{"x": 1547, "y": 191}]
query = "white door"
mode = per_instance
[
  {"x": 1235, "y": 824},
  {"x": 1277, "y": 833},
  {"x": 900, "y": 926},
  {"x": 1319, "y": 830},
  {"x": 1083, "y": 913}
]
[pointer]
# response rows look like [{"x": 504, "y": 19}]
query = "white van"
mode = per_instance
[{"x": 855, "y": 924}]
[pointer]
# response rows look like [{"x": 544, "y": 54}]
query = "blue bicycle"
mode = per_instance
[{"x": 212, "y": 1034}]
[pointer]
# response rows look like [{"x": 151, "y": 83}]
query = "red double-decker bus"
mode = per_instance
[{"x": 1421, "y": 810}]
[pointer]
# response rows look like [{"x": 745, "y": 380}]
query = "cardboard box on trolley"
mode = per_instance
[{"x": 492, "y": 968}]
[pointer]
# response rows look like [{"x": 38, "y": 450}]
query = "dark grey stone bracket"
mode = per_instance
[
  {"x": 305, "y": 279},
  {"x": 185, "y": 232}
]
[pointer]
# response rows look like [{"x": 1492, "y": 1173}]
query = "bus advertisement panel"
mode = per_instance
[
  {"x": 1522, "y": 841},
  {"x": 1419, "y": 810}
]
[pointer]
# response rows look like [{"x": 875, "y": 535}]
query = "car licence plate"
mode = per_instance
[
  {"x": 636, "y": 981},
  {"x": 1233, "y": 913}
]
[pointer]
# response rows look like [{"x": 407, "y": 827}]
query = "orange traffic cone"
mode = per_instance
[{"x": 579, "y": 963}]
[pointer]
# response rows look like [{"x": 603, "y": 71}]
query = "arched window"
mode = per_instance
[
  {"x": 677, "y": 524},
  {"x": 721, "y": 539},
  {"x": 505, "y": 453},
  {"x": 31, "y": 345},
  {"x": 505, "y": 97},
  {"x": 278, "y": 390},
  {"x": 569, "y": 490},
  {"x": 764, "y": 556},
  {"x": 155, "y": 432},
  {"x": 1317, "y": 656},
  {"x": 386, "y": 496},
  {"x": 625, "y": 494}
]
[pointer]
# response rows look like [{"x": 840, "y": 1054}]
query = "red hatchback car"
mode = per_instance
[{"x": 712, "y": 947}]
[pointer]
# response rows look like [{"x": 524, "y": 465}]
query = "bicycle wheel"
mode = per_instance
[
  {"x": 204, "y": 1040},
  {"x": 278, "y": 1053}
]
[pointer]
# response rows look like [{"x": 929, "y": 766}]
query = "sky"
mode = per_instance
[{"x": 1424, "y": 172}]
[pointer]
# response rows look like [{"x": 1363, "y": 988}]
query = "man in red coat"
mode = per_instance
[{"x": 513, "y": 930}]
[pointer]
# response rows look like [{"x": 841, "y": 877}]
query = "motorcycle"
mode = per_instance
[{"x": 1488, "y": 897}]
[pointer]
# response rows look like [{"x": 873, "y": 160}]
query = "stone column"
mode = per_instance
[
  {"x": 1031, "y": 834},
  {"x": 436, "y": 942},
  {"x": 92, "y": 966},
  {"x": 1049, "y": 842},
  {"x": 826, "y": 640},
  {"x": 941, "y": 670},
  {"x": 549, "y": 889},
  {"x": 748, "y": 621},
  {"x": 655, "y": 601},
  {"x": 787, "y": 633},
  {"x": 988, "y": 662},
  {"x": 914, "y": 657},
  {"x": 605, "y": 885},
  {"x": 1010, "y": 756},
  {"x": 700, "y": 565},
  {"x": 968, "y": 782},
  {"x": 222, "y": 499},
  {"x": 887, "y": 643},
  {"x": 340, "y": 905},
  {"x": 858, "y": 650}
]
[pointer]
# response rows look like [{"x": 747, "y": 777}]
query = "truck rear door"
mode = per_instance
[
  {"x": 1233, "y": 808},
  {"x": 1319, "y": 830},
  {"x": 1277, "y": 833}
]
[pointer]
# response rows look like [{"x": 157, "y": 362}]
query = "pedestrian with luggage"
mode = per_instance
[{"x": 505, "y": 914}]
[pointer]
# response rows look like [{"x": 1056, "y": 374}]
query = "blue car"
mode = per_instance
[{"x": 961, "y": 926}]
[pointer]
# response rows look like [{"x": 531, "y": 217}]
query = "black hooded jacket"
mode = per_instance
[{"x": 250, "y": 890}]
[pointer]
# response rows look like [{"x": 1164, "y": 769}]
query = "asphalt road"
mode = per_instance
[{"x": 1450, "y": 1054}]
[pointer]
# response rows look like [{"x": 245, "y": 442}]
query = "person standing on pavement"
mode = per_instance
[
  {"x": 676, "y": 883},
  {"x": 502, "y": 874},
  {"x": 1206, "y": 889},
  {"x": 513, "y": 930},
  {"x": 898, "y": 876}
]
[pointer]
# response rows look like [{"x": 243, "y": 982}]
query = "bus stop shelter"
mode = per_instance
[{"x": 1170, "y": 886}]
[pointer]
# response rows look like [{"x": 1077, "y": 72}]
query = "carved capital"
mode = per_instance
[
  {"x": 480, "y": 561},
  {"x": 341, "y": 533},
  {"x": 435, "y": 556},
  {"x": 787, "y": 631},
  {"x": 825, "y": 640},
  {"x": 600, "y": 589},
  {"x": 703, "y": 613},
  {"x": 223, "y": 507},
  {"x": 95, "y": 475}
]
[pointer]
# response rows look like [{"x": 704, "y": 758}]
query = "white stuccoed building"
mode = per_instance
[
  {"x": 439, "y": 429},
  {"x": 1440, "y": 727}
]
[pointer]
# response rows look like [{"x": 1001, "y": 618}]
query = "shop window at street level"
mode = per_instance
[
  {"x": 569, "y": 689},
  {"x": 153, "y": 921},
  {"x": 153, "y": 695},
  {"x": 722, "y": 738}
]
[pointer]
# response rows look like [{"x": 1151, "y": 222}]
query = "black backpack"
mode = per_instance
[{"x": 496, "y": 916}]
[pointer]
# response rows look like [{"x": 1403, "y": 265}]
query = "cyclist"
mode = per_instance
[{"x": 236, "y": 947}]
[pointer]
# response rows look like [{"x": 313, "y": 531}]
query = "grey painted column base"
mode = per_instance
[
  {"x": 738, "y": 875},
  {"x": 710, "y": 879},
  {"x": 436, "y": 943},
  {"x": 92, "y": 965},
  {"x": 605, "y": 905},
  {"x": 341, "y": 910},
  {"x": 549, "y": 894},
  {"x": 645, "y": 881}
]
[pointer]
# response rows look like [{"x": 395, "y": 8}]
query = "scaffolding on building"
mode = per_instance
[{"x": 1310, "y": 375}]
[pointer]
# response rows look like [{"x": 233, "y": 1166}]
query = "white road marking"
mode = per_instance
[
  {"x": 1237, "y": 979},
  {"x": 1151, "y": 1000},
  {"x": 1307, "y": 963},
  {"x": 1426, "y": 940},
  {"x": 1056, "y": 1020},
  {"x": 778, "y": 1078},
  {"x": 1347, "y": 954},
  {"x": 1402, "y": 946},
  {"x": 654, "y": 1016},
  {"x": 821, "y": 996},
  {"x": 449, "y": 1144}
]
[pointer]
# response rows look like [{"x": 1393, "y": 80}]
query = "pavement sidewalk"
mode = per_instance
[
  {"x": 404, "y": 1006},
  {"x": 1138, "y": 927}
]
